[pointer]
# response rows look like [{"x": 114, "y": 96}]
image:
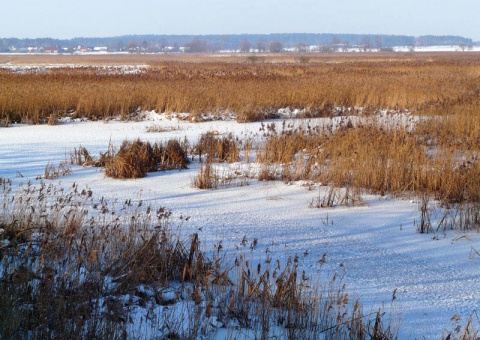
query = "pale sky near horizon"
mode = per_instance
[{"x": 106, "y": 18}]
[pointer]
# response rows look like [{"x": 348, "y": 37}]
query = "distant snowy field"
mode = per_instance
[
  {"x": 437, "y": 49},
  {"x": 376, "y": 245}
]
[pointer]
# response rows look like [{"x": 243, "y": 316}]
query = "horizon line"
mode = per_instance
[{"x": 236, "y": 34}]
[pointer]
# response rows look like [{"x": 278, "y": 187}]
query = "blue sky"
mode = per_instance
[{"x": 101, "y": 18}]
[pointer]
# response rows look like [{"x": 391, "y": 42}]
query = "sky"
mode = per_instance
[{"x": 106, "y": 18}]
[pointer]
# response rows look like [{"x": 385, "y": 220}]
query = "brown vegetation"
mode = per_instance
[
  {"x": 251, "y": 90},
  {"x": 77, "y": 267},
  {"x": 63, "y": 273},
  {"x": 206, "y": 178},
  {"x": 438, "y": 155},
  {"x": 135, "y": 159},
  {"x": 383, "y": 161},
  {"x": 218, "y": 148}
]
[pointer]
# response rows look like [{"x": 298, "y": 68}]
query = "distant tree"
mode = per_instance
[
  {"x": 378, "y": 42},
  {"x": 260, "y": 45},
  {"x": 225, "y": 40},
  {"x": 144, "y": 46},
  {"x": 418, "y": 41},
  {"x": 162, "y": 43},
  {"x": 216, "y": 46},
  {"x": 275, "y": 46},
  {"x": 463, "y": 46},
  {"x": 197, "y": 46},
  {"x": 4, "y": 46},
  {"x": 301, "y": 47},
  {"x": 51, "y": 47},
  {"x": 366, "y": 44},
  {"x": 335, "y": 44},
  {"x": 324, "y": 48},
  {"x": 132, "y": 46},
  {"x": 119, "y": 45},
  {"x": 245, "y": 48}
]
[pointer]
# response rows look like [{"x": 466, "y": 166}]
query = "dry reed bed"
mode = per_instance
[
  {"x": 248, "y": 89},
  {"x": 380, "y": 160},
  {"x": 74, "y": 266},
  {"x": 156, "y": 59},
  {"x": 67, "y": 258}
]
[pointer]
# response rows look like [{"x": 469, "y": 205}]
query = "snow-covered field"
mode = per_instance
[
  {"x": 376, "y": 245},
  {"x": 108, "y": 69}
]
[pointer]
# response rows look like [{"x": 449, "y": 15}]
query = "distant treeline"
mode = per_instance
[{"x": 234, "y": 41}]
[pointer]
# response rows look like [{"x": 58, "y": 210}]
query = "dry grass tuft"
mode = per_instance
[
  {"x": 347, "y": 197},
  {"x": 81, "y": 156},
  {"x": 51, "y": 172},
  {"x": 218, "y": 148},
  {"x": 135, "y": 159},
  {"x": 207, "y": 177},
  {"x": 52, "y": 119},
  {"x": 469, "y": 331}
]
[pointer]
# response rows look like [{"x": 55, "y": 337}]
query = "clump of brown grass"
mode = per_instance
[
  {"x": 52, "y": 172},
  {"x": 425, "y": 223},
  {"x": 251, "y": 115},
  {"x": 218, "y": 148},
  {"x": 438, "y": 216},
  {"x": 207, "y": 177},
  {"x": 158, "y": 128},
  {"x": 295, "y": 153},
  {"x": 468, "y": 331},
  {"x": 135, "y": 159},
  {"x": 347, "y": 197},
  {"x": 81, "y": 156},
  {"x": 52, "y": 119},
  {"x": 5, "y": 122}
]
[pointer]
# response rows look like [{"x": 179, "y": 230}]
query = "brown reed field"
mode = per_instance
[
  {"x": 239, "y": 84},
  {"x": 68, "y": 275}
]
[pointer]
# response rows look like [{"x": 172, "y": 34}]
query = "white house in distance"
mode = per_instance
[
  {"x": 88, "y": 49},
  {"x": 100, "y": 49}
]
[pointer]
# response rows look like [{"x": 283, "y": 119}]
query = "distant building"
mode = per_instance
[{"x": 82, "y": 49}]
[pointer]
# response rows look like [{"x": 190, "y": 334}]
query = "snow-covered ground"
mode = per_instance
[
  {"x": 452, "y": 48},
  {"x": 376, "y": 244},
  {"x": 119, "y": 69}
]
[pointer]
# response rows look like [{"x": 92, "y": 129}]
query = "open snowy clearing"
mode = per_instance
[{"x": 376, "y": 245}]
